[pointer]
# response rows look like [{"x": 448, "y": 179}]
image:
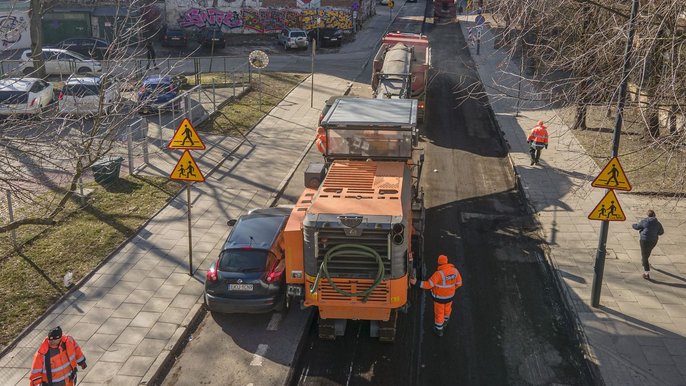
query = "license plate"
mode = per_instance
[
  {"x": 334, "y": 39},
  {"x": 240, "y": 287},
  {"x": 175, "y": 38}
]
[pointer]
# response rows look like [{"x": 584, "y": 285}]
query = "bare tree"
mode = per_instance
[{"x": 51, "y": 153}]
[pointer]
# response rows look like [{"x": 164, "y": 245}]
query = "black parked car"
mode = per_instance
[
  {"x": 90, "y": 47},
  {"x": 328, "y": 37},
  {"x": 249, "y": 274},
  {"x": 212, "y": 37},
  {"x": 173, "y": 37}
]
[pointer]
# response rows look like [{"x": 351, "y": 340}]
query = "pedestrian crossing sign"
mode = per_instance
[
  {"x": 612, "y": 177},
  {"x": 186, "y": 138},
  {"x": 186, "y": 169},
  {"x": 608, "y": 209}
]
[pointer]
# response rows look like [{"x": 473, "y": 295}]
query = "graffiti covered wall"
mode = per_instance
[
  {"x": 14, "y": 30},
  {"x": 239, "y": 17}
]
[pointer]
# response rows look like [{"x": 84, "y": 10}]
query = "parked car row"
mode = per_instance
[{"x": 85, "y": 95}]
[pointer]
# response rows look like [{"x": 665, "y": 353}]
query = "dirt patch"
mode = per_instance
[{"x": 653, "y": 166}]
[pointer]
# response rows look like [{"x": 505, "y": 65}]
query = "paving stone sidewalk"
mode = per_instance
[
  {"x": 131, "y": 313},
  {"x": 636, "y": 336}
]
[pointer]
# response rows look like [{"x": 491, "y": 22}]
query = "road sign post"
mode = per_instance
[
  {"x": 599, "y": 267},
  {"x": 186, "y": 138},
  {"x": 391, "y": 4},
  {"x": 259, "y": 60}
]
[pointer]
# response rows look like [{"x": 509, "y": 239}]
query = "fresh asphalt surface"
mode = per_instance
[{"x": 508, "y": 326}]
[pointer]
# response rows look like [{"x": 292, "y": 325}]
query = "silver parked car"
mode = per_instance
[
  {"x": 24, "y": 95},
  {"x": 293, "y": 38},
  {"x": 60, "y": 62},
  {"x": 82, "y": 95}
]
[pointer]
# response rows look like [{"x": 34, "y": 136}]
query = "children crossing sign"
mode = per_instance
[
  {"x": 186, "y": 138},
  {"x": 608, "y": 209},
  {"x": 187, "y": 170},
  {"x": 612, "y": 177}
]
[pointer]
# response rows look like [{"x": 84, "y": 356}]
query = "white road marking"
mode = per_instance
[
  {"x": 258, "y": 357},
  {"x": 274, "y": 323}
]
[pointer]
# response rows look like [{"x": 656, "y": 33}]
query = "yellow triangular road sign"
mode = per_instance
[
  {"x": 612, "y": 177},
  {"x": 186, "y": 137},
  {"x": 608, "y": 209},
  {"x": 186, "y": 169}
]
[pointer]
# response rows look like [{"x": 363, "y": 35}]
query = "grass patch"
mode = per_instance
[
  {"x": 239, "y": 116},
  {"x": 31, "y": 281},
  {"x": 651, "y": 166}
]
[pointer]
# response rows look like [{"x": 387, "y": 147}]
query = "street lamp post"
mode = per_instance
[{"x": 604, "y": 226}]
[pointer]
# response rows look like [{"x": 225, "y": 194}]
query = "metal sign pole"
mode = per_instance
[
  {"x": 314, "y": 48},
  {"x": 259, "y": 82},
  {"x": 599, "y": 267},
  {"x": 190, "y": 234}
]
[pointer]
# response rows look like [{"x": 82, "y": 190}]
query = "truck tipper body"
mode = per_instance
[{"x": 401, "y": 68}]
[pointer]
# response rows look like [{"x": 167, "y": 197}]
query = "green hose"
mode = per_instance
[{"x": 349, "y": 250}]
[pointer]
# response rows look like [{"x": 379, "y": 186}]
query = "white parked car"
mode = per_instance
[
  {"x": 293, "y": 38},
  {"x": 60, "y": 62},
  {"x": 81, "y": 95},
  {"x": 24, "y": 95}
]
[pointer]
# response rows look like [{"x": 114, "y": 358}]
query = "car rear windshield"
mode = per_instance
[
  {"x": 175, "y": 32},
  {"x": 299, "y": 34},
  {"x": 243, "y": 260},
  {"x": 159, "y": 87},
  {"x": 81, "y": 90},
  {"x": 13, "y": 97}
]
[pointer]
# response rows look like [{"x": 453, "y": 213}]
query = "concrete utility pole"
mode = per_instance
[{"x": 599, "y": 267}]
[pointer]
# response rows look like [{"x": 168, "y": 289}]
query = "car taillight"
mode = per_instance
[
  {"x": 212, "y": 273},
  {"x": 33, "y": 102},
  {"x": 141, "y": 90},
  {"x": 61, "y": 96},
  {"x": 421, "y": 105},
  {"x": 275, "y": 273}
]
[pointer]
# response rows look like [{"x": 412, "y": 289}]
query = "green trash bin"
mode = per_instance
[{"x": 106, "y": 170}]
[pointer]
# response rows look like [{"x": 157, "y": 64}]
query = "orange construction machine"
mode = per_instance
[
  {"x": 401, "y": 68},
  {"x": 352, "y": 242}
]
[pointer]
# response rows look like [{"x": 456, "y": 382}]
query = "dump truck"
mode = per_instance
[
  {"x": 445, "y": 9},
  {"x": 353, "y": 242},
  {"x": 401, "y": 68}
]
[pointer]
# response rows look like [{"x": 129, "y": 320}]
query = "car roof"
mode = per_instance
[
  {"x": 263, "y": 226},
  {"x": 154, "y": 79},
  {"x": 84, "y": 80},
  {"x": 17, "y": 84}
]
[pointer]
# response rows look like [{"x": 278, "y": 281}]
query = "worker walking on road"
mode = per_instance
[
  {"x": 538, "y": 139},
  {"x": 55, "y": 361},
  {"x": 443, "y": 284}
]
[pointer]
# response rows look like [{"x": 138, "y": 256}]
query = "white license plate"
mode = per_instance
[
  {"x": 175, "y": 38},
  {"x": 240, "y": 287},
  {"x": 333, "y": 39}
]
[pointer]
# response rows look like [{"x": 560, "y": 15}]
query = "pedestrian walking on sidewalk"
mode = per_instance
[
  {"x": 537, "y": 140},
  {"x": 649, "y": 229},
  {"x": 55, "y": 361},
  {"x": 443, "y": 284},
  {"x": 151, "y": 55}
]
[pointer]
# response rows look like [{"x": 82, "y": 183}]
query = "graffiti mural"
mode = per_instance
[
  {"x": 268, "y": 20},
  {"x": 210, "y": 17},
  {"x": 12, "y": 31},
  {"x": 330, "y": 18}
]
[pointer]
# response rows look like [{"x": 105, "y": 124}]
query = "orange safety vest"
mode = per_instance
[
  {"x": 539, "y": 134},
  {"x": 321, "y": 140},
  {"x": 61, "y": 365},
  {"x": 443, "y": 283}
]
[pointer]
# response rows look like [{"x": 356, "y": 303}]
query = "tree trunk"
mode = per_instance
[
  {"x": 35, "y": 16},
  {"x": 580, "y": 119},
  {"x": 652, "y": 126}
]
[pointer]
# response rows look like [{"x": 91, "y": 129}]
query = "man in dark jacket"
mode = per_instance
[{"x": 649, "y": 229}]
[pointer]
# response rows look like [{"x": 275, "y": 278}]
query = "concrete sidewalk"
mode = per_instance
[{"x": 636, "y": 337}]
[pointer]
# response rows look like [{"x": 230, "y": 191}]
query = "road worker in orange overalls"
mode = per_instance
[
  {"x": 443, "y": 284},
  {"x": 55, "y": 361},
  {"x": 538, "y": 139}
]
